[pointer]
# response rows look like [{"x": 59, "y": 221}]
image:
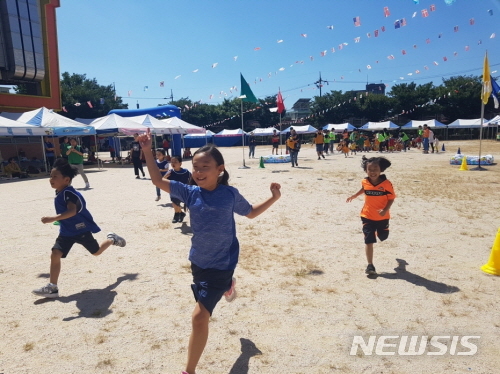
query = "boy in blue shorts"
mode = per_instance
[{"x": 76, "y": 225}]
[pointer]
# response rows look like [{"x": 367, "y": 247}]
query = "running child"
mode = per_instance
[
  {"x": 379, "y": 196},
  {"x": 76, "y": 225},
  {"x": 177, "y": 173},
  {"x": 215, "y": 248},
  {"x": 162, "y": 163}
]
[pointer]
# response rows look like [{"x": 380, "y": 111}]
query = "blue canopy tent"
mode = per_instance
[
  {"x": 198, "y": 140},
  {"x": 229, "y": 138}
]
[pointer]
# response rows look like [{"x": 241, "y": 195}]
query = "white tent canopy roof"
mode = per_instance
[
  {"x": 377, "y": 126},
  {"x": 431, "y": 123},
  {"x": 307, "y": 129},
  {"x": 465, "y": 124},
  {"x": 9, "y": 127},
  {"x": 340, "y": 127},
  {"x": 45, "y": 118},
  {"x": 494, "y": 121},
  {"x": 113, "y": 123},
  {"x": 157, "y": 126},
  {"x": 177, "y": 122},
  {"x": 205, "y": 135},
  {"x": 264, "y": 132},
  {"x": 227, "y": 132}
]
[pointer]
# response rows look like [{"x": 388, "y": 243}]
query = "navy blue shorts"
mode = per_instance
[
  {"x": 64, "y": 243},
  {"x": 370, "y": 228},
  {"x": 176, "y": 201},
  {"x": 210, "y": 285}
]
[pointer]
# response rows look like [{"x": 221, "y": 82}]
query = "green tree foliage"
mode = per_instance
[{"x": 78, "y": 89}]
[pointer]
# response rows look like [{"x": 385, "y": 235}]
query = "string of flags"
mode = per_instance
[{"x": 398, "y": 23}]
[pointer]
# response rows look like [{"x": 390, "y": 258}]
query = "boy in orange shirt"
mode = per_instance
[{"x": 379, "y": 196}]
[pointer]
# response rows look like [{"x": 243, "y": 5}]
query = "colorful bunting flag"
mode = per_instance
[
  {"x": 486, "y": 91},
  {"x": 432, "y": 8},
  {"x": 89, "y": 104},
  {"x": 425, "y": 13},
  {"x": 357, "y": 21},
  {"x": 387, "y": 13},
  {"x": 162, "y": 84}
]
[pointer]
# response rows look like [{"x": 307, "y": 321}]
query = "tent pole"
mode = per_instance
[
  {"x": 44, "y": 155},
  {"x": 243, "y": 139}
]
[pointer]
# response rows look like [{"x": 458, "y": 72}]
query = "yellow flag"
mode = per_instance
[{"x": 486, "y": 91}]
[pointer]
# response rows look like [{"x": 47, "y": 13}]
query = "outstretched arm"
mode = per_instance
[
  {"x": 154, "y": 171},
  {"x": 351, "y": 198},
  {"x": 258, "y": 209},
  {"x": 67, "y": 214}
]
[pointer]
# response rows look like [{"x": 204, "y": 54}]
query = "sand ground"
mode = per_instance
[{"x": 303, "y": 294}]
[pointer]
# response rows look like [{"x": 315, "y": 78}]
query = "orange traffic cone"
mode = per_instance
[
  {"x": 493, "y": 265},
  {"x": 464, "y": 164}
]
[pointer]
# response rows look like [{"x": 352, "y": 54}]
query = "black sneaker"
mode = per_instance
[
  {"x": 370, "y": 269},
  {"x": 323, "y": 156},
  {"x": 137, "y": 177},
  {"x": 176, "y": 218},
  {"x": 181, "y": 216}
]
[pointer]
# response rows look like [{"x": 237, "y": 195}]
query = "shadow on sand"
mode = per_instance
[
  {"x": 248, "y": 350},
  {"x": 95, "y": 303},
  {"x": 417, "y": 280}
]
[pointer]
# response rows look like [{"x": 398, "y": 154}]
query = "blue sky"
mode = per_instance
[{"x": 133, "y": 44}]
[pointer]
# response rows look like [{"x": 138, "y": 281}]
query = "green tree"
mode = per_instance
[{"x": 77, "y": 90}]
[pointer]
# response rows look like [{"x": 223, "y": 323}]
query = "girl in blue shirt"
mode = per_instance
[
  {"x": 162, "y": 163},
  {"x": 76, "y": 225},
  {"x": 214, "y": 246}
]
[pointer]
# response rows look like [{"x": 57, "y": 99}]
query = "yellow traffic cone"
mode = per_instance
[
  {"x": 261, "y": 165},
  {"x": 493, "y": 265},
  {"x": 464, "y": 164}
]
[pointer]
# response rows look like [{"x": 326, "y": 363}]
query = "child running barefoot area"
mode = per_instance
[
  {"x": 379, "y": 197},
  {"x": 76, "y": 225},
  {"x": 214, "y": 247}
]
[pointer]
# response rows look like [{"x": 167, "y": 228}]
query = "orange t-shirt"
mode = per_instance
[
  {"x": 376, "y": 198},
  {"x": 426, "y": 133}
]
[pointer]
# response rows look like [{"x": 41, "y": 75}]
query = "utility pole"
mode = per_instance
[
  {"x": 171, "y": 97},
  {"x": 319, "y": 83}
]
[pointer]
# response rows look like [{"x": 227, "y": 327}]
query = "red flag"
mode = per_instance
[
  {"x": 89, "y": 104},
  {"x": 432, "y": 8},
  {"x": 387, "y": 13},
  {"x": 279, "y": 102},
  {"x": 425, "y": 13}
]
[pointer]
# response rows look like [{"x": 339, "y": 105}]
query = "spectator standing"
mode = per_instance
[
  {"x": 136, "y": 155},
  {"x": 319, "y": 140},
  {"x": 49, "y": 152},
  {"x": 75, "y": 158},
  {"x": 251, "y": 145}
]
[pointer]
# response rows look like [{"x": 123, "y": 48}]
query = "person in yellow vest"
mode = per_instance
[
  {"x": 326, "y": 144},
  {"x": 293, "y": 144},
  {"x": 319, "y": 140},
  {"x": 332, "y": 137}
]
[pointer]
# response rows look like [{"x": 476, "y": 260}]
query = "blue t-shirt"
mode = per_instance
[
  {"x": 82, "y": 221},
  {"x": 182, "y": 175},
  {"x": 47, "y": 152},
  {"x": 162, "y": 165},
  {"x": 214, "y": 244}
]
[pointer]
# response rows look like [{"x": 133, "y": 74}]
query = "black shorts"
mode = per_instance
[
  {"x": 176, "y": 201},
  {"x": 275, "y": 145},
  {"x": 210, "y": 285},
  {"x": 370, "y": 228},
  {"x": 64, "y": 243}
]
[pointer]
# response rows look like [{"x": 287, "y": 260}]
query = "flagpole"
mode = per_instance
[
  {"x": 281, "y": 147},
  {"x": 243, "y": 138}
]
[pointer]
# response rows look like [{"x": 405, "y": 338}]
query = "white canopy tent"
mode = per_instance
[
  {"x": 207, "y": 134},
  {"x": 415, "y": 124},
  {"x": 340, "y": 127},
  {"x": 227, "y": 132},
  {"x": 378, "y": 126},
  {"x": 178, "y": 123},
  {"x": 10, "y": 127},
  {"x": 157, "y": 126},
  {"x": 466, "y": 124},
  {"x": 114, "y": 124},
  {"x": 307, "y": 129},
  {"x": 264, "y": 132}
]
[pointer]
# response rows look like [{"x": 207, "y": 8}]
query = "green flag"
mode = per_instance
[{"x": 246, "y": 91}]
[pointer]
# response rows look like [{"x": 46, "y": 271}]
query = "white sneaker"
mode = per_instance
[
  {"x": 158, "y": 198},
  {"x": 231, "y": 294},
  {"x": 50, "y": 291},
  {"x": 117, "y": 240},
  {"x": 87, "y": 185}
]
